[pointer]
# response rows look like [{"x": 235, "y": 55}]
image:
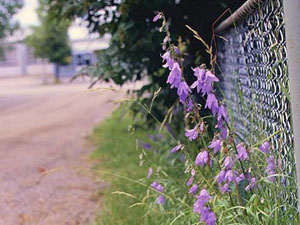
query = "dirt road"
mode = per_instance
[{"x": 43, "y": 142}]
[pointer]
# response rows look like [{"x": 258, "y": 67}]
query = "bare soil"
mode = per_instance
[{"x": 44, "y": 152}]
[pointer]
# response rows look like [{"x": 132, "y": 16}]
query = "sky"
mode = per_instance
[{"x": 28, "y": 17}]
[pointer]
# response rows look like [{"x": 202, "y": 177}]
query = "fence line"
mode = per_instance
[{"x": 252, "y": 59}]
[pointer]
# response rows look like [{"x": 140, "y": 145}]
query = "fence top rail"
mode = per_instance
[{"x": 247, "y": 8}]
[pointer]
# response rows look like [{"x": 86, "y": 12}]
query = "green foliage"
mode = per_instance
[
  {"x": 129, "y": 200},
  {"x": 50, "y": 39},
  {"x": 133, "y": 54},
  {"x": 7, "y": 10}
]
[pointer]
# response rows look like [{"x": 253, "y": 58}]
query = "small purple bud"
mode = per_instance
[
  {"x": 190, "y": 105},
  {"x": 157, "y": 17},
  {"x": 160, "y": 200},
  {"x": 176, "y": 49},
  {"x": 228, "y": 163},
  {"x": 242, "y": 152},
  {"x": 193, "y": 189},
  {"x": 176, "y": 148},
  {"x": 190, "y": 181},
  {"x": 193, "y": 172},
  {"x": 265, "y": 147},
  {"x": 150, "y": 171},
  {"x": 221, "y": 176}
]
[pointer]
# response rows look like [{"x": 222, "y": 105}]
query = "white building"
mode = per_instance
[{"x": 18, "y": 59}]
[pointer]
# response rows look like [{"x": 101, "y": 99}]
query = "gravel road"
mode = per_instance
[{"x": 43, "y": 147}]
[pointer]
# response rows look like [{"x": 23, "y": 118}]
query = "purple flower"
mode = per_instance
[
  {"x": 270, "y": 169},
  {"x": 174, "y": 77},
  {"x": 176, "y": 148},
  {"x": 190, "y": 181},
  {"x": 160, "y": 200},
  {"x": 223, "y": 132},
  {"x": 158, "y": 187},
  {"x": 207, "y": 216},
  {"x": 177, "y": 51},
  {"x": 265, "y": 147},
  {"x": 201, "y": 128},
  {"x": 212, "y": 103},
  {"x": 239, "y": 178},
  {"x": 169, "y": 61},
  {"x": 199, "y": 73},
  {"x": 211, "y": 219},
  {"x": 183, "y": 91},
  {"x": 202, "y": 158},
  {"x": 145, "y": 145},
  {"x": 193, "y": 189},
  {"x": 204, "y": 80},
  {"x": 222, "y": 113},
  {"x": 157, "y": 17},
  {"x": 228, "y": 163},
  {"x": 150, "y": 171},
  {"x": 229, "y": 176},
  {"x": 204, "y": 197},
  {"x": 190, "y": 105},
  {"x": 198, "y": 205},
  {"x": 210, "y": 77},
  {"x": 221, "y": 176},
  {"x": 192, "y": 134},
  {"x": 216, "y": 145},
  {"x": 251, "y": 185},
  {"x": 242, "y": 152},
  {"x": 225, "y": 188},
  {"x": 193, "y": 172},
  {"x": 166, "y": 39}
]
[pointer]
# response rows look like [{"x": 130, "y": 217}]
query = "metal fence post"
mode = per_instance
[{"x": 292, "y": 27}]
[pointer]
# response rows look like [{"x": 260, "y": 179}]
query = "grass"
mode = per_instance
[{"x": 118, "y": 162}]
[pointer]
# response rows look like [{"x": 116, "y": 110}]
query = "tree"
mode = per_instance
[
  {"x": 134, "y": 52},
  {"x": 50, "y": 40},
  {"x": 7, "y": 26}
]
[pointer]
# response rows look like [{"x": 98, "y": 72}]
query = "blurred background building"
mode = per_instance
[{"x": 18, "y": 59}]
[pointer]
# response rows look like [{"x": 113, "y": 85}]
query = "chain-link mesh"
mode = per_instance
[{"x": 253, "y": 62}]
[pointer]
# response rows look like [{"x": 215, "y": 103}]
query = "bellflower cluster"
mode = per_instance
[
  {"x": 203, "y": 210},
  {"x": 158, "y": 187},
  {"x": 233, "y": 160},
  {"x": 175, "y": 78}
]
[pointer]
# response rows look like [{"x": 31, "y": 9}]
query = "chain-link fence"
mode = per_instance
[{"x": 252, "y": 60}]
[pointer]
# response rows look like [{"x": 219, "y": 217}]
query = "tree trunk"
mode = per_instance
[{"x": 57, "y": 80}]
